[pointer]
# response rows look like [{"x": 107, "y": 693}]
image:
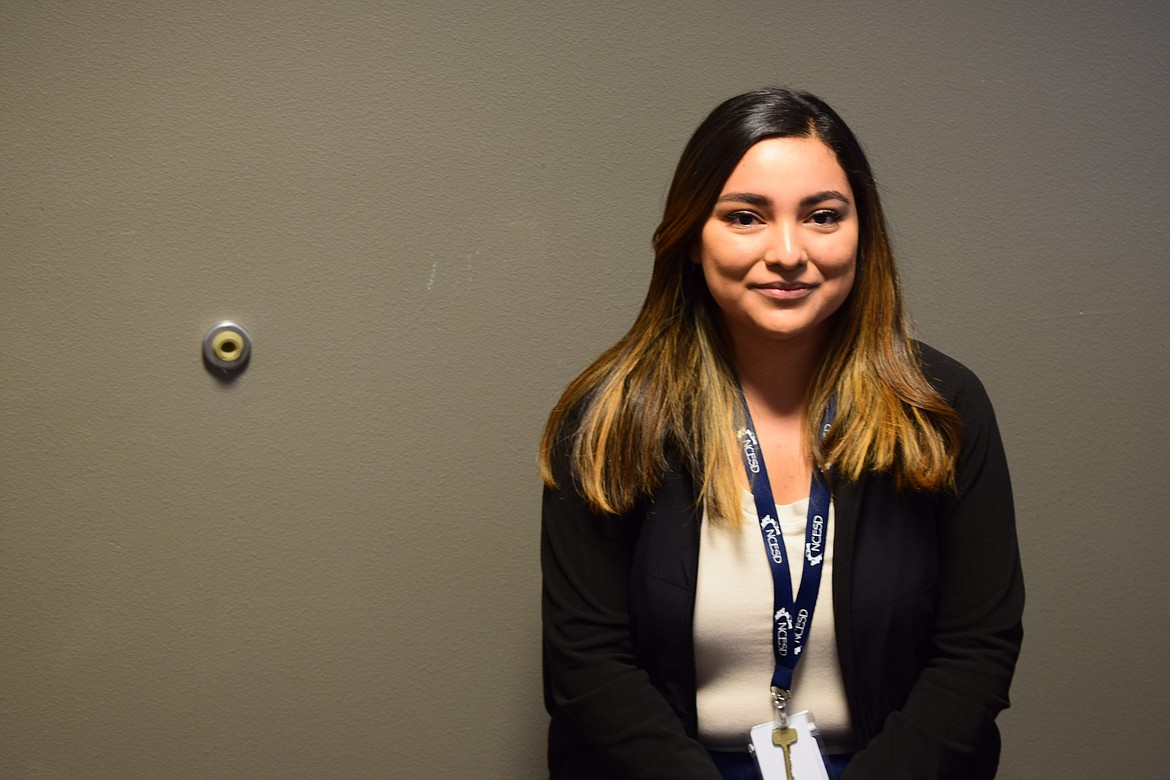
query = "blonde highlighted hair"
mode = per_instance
[{"x": 668, "y": 383}]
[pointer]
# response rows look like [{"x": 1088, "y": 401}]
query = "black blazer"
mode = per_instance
[{"x": 927, "y": 598}]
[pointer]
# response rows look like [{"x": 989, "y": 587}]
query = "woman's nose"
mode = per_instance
[{"x": 784, "y": 248}]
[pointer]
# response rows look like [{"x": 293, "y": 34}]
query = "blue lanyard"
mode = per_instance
[{"x": 791, "y": 617}]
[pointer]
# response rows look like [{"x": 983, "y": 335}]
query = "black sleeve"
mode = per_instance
[
  {"x": 608, "y": 719},
  {"x": 947, "y": 727}
]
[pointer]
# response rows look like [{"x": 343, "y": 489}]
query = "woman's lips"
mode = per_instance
[{"x": 785, "y": 292}]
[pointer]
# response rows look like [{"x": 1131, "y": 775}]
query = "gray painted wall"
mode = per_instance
[{"x": 431, "y": 215}]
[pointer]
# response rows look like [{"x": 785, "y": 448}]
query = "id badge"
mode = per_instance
[{"x": 804, "y": 753}]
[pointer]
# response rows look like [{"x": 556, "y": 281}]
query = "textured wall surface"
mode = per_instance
[{"x": 430, "y": 216}]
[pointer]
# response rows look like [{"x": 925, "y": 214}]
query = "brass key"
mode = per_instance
[{"x": 785, "y": 738}]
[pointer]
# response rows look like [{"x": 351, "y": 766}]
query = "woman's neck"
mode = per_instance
[{"x": 776, "y": 374}]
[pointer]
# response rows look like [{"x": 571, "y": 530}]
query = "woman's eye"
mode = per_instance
[
  {"x": 825, "y": 217},
  {"x": 742, "y": 218}
]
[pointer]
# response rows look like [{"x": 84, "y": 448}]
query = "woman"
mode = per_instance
[{"x": 773, "y": 333}]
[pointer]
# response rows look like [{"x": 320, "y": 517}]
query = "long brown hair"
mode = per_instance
[{"x": 668, "y": 383}]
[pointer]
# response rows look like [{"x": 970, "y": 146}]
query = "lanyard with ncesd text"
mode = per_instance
[{"x": 792, "y": 618}]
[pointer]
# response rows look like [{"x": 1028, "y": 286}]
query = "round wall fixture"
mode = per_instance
[{"x": 227, "y": 347}]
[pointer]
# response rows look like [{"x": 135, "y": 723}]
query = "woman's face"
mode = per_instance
[{"x": 779, "y": 251}]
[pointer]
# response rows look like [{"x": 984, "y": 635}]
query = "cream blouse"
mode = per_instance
[{"x": 734, "y": 659}]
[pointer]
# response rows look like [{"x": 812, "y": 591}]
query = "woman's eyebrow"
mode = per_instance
[
  {"x": 823, "y": 196},
  {"x": 746, "y": 197},
  {"x": 763, "y": 200}
]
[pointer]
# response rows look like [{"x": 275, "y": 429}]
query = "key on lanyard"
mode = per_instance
[{"x": 785, "y": 738}]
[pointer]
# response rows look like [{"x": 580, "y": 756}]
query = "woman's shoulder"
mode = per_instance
[{"x": 955, "y": 382}]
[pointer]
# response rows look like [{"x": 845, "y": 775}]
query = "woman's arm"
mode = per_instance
[
  {"x": 946, "y": 728},
  {"x": 608, "y": 719}
]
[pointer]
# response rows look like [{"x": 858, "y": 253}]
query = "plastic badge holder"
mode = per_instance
[{"x": 808, "y": 762}]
